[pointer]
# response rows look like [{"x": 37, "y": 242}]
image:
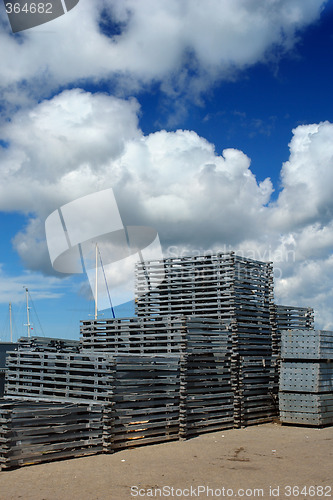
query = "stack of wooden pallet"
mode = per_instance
[
  {"x": 202, "y": 346},
  {"x": 32, "y": 432},
  {"x": 158, "y": 335},
  {"x": 306, "y": 379},
  {"x": 289, "y": 318},
  {"x": 255, "y": 400},
  {"x": 4, "y": 348},
  {"x": 233, "y": 289},
  {"x": 206, "y": 392},
  {"x": 85, "y": 377},
  {"x": 145, "y": 401}
]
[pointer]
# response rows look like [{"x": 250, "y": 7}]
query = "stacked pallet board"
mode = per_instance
[
  {"x": 238, "y": 292},
  {"x": 4, "y": 348},
  {"x": 202, "y": 348},
  {"x": 48, "y": 343},
  {"x": 286, "y": 318},
  {"x": 159, "y": 335},
  {"x": 306, "y": 380},
  {"x": 34, "y": 432},
  {"x": 222, "y": 286},
  {"x": 206, "y": 391},
  {"x": 289, "y": 318},
  {"x": 200, "y": 356},
  {"x": 145, "y": 401},
  {"x": 62, "y": 376}
]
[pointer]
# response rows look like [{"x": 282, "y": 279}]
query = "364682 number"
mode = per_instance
[
  {"x": 310, "y": 491},
  {"x": 33, "y": 8}
]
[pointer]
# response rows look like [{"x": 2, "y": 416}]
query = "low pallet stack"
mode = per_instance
[
  {"x": 206, "y": 392},
  {"x": 306, "y": 380},
  {"x": 159, "y": 335},
  {"x": 203, "y": 348},
  {"x": 85, "y": 377},
  {"x": 290, "y": 318},
  {"x": 35, "y": 432},
  {"x": 256, "y": 391}
]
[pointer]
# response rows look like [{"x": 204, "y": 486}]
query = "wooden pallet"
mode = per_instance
[
  {"x": 63, "y": 376},
  {"x": 255, "y": 391},
  {"x": 304, "y": 345},
  {"x": 145, "y": 405},
  {"x": 152, "y": 335},
  {"x": 32, "y": 432},
  {"x": 206, "y": 395},
  {"x": 48, "y": 343},
  {"x": 304, "y": 376}
]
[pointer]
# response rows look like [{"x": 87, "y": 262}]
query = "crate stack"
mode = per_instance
[
  {"x": 290, "y": 318},
  {"x": 35, "y": 432},
  {"x": 145, "y": 401},
  {"x": 235, "y": 290},
  {"x": 202, "y": 347},
  {"x": 306, "y": 379},
  {"x": 61, "y": 376},
  {"x": 206, "y": 391},
  {"x": 4, "y": 348},
  {"x": 158, "y": 335}
]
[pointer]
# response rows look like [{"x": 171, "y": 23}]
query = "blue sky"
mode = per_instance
[{"x": 211, "y": 121}]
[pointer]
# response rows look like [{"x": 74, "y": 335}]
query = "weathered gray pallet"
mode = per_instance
[
  {"x": 48, "y": 343},
  {"x": 306, "y": 376},
  {"x": 65, "y": 376},
  {"x": 158, "y": 335},
  {"x": 309, "y": 419},
  {"x": 306, "y": 403},
  {"x": 206, "y": 394},
  {"x": 223, "y": 286},
  {"x": 255, "y": 401},
  {"x": 294, "y": 318},
  {"x": 33, "y": 432},
  {"x": 307, "y": 344},
  {"x": 145, "y": 400}
]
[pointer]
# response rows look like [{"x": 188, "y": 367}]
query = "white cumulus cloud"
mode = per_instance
[
  {"x": 183, "y": 45},
  {"x": 177, "y": 183}
]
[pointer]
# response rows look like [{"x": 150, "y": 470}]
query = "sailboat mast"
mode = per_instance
[
  {"x": 10, "y": 322},
  {"x": 96, "y": 283},
  {"x": 28, "y": 318}
]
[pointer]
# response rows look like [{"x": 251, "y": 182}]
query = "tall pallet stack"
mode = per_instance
[
  {"x": 235, "y": 290},
  {"x": 306, "y": 379}
]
